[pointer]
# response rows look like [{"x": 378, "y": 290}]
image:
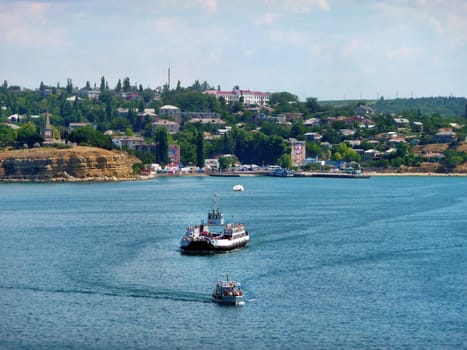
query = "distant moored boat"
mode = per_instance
[{"x": 238, "y": 188}]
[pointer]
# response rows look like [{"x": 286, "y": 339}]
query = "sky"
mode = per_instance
[{"x": 326, "y": 49}]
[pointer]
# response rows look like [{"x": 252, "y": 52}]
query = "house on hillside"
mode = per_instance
[
  {"x": 214, "y": 121},
  {"x": 401, "y": 122},
  {"x": 129, "y": 142},
  {"x": 363, "y": 110},
  {"x": 148, "y": 112},
  {"x": 445, "y": 136},
  {"x": 200, "y": 115},
  {"x": 171, "y": 112},
  {"x": 249, "y": 97},
  {"x": 14, "y": 118},
  {"x": 171, "y": 126},
  {"x": 347, "y": 132},
  {"x": 313, "y": 136},
  {"x": 290, "y": 116},
  {"x": 371, "y": 154},
  {"x": 313, "y": 122}
]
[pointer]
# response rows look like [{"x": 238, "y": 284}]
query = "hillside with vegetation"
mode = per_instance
[
  {"x": 345, "y": 132},
  {"x": 443, "y": 106}
]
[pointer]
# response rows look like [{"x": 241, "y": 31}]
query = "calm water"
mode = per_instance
[{"x": 332, "y": 264}]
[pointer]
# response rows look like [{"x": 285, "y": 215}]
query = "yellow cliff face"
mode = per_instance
[{"x": 73, "y": 164}]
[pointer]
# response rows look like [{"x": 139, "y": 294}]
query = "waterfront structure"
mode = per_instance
[
  {"x": 174, "y": 154},
  {"x": 298, "y": 152}
]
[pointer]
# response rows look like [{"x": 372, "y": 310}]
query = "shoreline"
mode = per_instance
[
  {"x": 418, "y": 174},
  {"x": 250, "y": 174}
]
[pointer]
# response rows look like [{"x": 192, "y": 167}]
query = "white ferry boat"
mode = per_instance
[
  {"x": 215, "y": 235},
  {"x": 228, "y": 293}
]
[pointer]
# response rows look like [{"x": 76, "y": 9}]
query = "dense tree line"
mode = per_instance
[{"x": 443, "y": 106}]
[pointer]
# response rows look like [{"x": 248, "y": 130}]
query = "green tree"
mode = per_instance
[
  {"x": 313, "y": 149},
  {"x": 126, "y": 84},
  {"x": 90, "y": 137},
  {"x": 284, "y": 161},
  {"x": 102, "y": 87},
  {"x": 200, "y": 148},
  {"x": 312, "y": 105},
  {"x": 397, "y": 162},
  {"x": 28, "y": 135},
  {"x": 298, "y": 130},
  {"x": 331, "y": 136},
  {"x": 282, "y": 98},
  {"x": 118, "y": 88},
  {"x": 337, "y": 156},
  {"x": 224, "y": 163},
  {"x": 69, "y": 86},
  {"x": 162, "y": 146},
  {"x": 187, "y": 141},
  {"x": 453, "y": 158},
  {"x": 7, "y": 135}
]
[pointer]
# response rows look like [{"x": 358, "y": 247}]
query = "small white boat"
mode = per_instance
[
  {"x": 238, "y": 188},
  {"x": 228, "y": 293}
]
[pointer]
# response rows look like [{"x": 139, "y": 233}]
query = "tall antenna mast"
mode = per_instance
[{"x": 168, "y": 80}]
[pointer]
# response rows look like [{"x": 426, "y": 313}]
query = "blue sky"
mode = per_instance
[{"x": 328, "y": 49}]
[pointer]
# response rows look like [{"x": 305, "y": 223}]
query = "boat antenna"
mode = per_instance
[{"x": 214, "y": 204}]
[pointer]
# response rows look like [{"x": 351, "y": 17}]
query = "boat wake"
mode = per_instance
[{"x": 121, "y": 292}]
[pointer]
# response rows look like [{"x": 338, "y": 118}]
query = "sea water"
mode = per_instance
[{"x": 377, "y": 263}]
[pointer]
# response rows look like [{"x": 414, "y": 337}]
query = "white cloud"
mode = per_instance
[
  {"x": 206, "y": 6},
  {"x": 354, "y": 47},
  {"x": 27, "y": 24},
  {"x": 247, "y": 53},
  {"x": 300, "y": 6},
  {"x": 209, "y": 5},
  {"x": 267, "y": 18},
  {"x": 168, "y": 24},
  {"x": 447, "y": 18},
  {"x": 215, "y": 56},
  {"x": 403, "y": 54},
  {"x": 456, "y": 28},
  {"x": 289, "y": 37}
]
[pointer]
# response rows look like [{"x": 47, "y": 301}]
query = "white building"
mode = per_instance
[
  {"x": 249, "y": 97},
  {"x": 169, "y": 111}
]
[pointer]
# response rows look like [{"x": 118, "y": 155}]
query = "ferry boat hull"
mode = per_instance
[{"x": 194, "y": 246}]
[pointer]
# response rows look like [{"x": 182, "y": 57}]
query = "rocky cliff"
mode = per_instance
[{"x": 72, "y": 164}]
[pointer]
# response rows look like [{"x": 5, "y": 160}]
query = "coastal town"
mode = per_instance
[
  {"x": 206, "y": 174},
  {"x": 201, "y": 130}
]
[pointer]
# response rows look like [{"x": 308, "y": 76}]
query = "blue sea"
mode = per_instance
[{"x": 377, "y": 263}]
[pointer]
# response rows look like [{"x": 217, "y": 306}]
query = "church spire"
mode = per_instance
[{"x": 47, "y": 132}]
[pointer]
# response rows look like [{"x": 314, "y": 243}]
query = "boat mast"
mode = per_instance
[{"x": 214, "y": 203}]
